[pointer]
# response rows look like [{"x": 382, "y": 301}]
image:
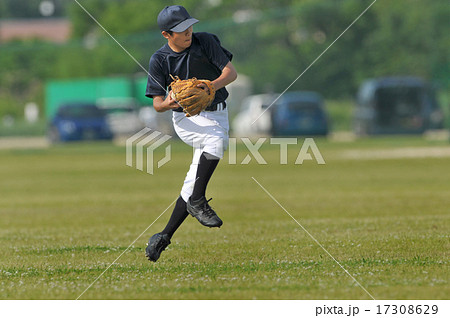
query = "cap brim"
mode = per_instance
[{"x": 184, "y": 25}]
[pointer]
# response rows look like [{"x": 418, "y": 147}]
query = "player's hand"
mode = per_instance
[
  {"x": 170, "y": 102},
  {"x": 204, "y": 87}
]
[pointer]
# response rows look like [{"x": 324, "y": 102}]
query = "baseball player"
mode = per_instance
[{"x": 189, "y": 55}]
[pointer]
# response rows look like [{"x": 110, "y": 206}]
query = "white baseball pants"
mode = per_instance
[{"x": 206, "y": 132}]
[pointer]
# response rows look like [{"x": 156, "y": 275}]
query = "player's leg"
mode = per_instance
[
  {"x": 197, "y": 205},
  {"x": 199, "y": 174},
  {"x": 209, "y": 141},
  {"x": 213, "y": 149},
  {"x": 179, "y": 214},
  {"x": 206, "y": 166},
  {"x": 208, "y": 134},
  {"x": 158, "y": 242}
]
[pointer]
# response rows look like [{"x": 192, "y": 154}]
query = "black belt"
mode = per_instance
[
  {"x": 218, "y": 106},
  {"x": 212, "y": 108}
]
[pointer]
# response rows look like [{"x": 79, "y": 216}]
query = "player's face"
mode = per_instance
[{"x": 180, "y": 40}]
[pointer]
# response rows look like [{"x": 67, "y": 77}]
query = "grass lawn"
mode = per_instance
[{"x": 66, "y": 213}]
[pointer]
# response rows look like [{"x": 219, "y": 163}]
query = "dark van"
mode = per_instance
[
  {"x": 396, "y": 105},
  {"x": 299, "y": 114}
]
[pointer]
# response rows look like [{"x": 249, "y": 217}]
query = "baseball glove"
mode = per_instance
[{"x": 193, "y": 99}]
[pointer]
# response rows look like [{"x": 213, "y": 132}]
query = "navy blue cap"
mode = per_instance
[{"x": 175, "y": 18}]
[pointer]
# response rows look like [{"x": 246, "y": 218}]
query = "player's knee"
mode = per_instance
[
  {"x": 209, "y": 156},
  {"x": 218, "y": 147}
]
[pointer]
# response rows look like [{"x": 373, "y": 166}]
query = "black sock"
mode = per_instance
[
  {"x": 179, "y": 214},
  {"x": 206, "y": 166}
]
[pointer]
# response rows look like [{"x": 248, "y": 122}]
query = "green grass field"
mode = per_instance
[{"x": 66, "y": 213}]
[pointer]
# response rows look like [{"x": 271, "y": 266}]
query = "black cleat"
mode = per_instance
[
  {"x": 156, "y": 244},
  {"x": 201, "y": 210}
]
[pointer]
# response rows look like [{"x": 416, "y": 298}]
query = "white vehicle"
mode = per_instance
[
  {"x": 161, "y": 122},
  {"x": 122, "y": 115},
  {"x": 253, "y": 119}
]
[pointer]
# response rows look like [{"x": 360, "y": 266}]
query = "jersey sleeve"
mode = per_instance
[
  {"x": 156, "y": 80},
  {"x": 218, "y": 55}
]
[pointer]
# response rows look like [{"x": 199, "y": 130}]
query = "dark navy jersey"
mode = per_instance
[{"x": 204, "y": 59}]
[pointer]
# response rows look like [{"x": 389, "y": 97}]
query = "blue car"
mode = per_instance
[
  {"x": 79, "y": 121},
  {"x": 299, "y": 114}
]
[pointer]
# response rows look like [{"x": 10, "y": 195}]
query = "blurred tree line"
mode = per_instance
[
  {"x": 273, "y": 42},
  {"x": 29, "y": 8}
]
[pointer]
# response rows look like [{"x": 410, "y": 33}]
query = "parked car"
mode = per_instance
[
  {"x": 122, "y": 115},
  {"x": 79, "y": 121},
  {"x": 293, "y": 114},
  {"x": 299, "y": 114},
  {"x": 161, "y": 122},
  {"x": 252, "y": 119},
  {"x": 396, "y": 105}
]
